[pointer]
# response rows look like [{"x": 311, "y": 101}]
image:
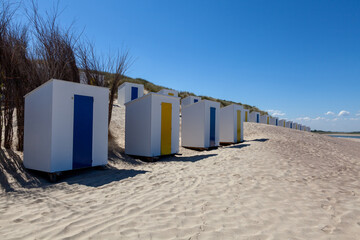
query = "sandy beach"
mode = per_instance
[{"x": 279, "y": 184}]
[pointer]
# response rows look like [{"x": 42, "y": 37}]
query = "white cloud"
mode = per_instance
[
  {"x": 332, "y": 123},
  {"x": 358, "y": 114},
  {"x": 276, "y": 113},
  {"x": 303, "y": 119},
  {"x": 343, "y": 113},
  {"x": 329, "y": 113},
  {"x": 341, "y": 124}
]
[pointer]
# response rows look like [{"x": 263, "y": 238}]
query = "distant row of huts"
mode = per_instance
[
  {"x": 66, "y": 124},
  {"x": 266, "y": 119}
]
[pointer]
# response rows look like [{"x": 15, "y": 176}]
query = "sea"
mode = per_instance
[{"x": 344, "y": 136}]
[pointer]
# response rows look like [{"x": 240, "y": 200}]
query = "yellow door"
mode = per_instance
[
  {"x": 284, "y": 123},
  {"x": 238, "y": 129},
  {"x": 246, "y": 116},
  {"x": 166, "y": 110},
  {"x": 170, "y": 94},
  {"x": 268, "y": 120}
]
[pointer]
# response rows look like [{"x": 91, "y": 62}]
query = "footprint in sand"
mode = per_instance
[
  {"x": 45, "y": 213},
  {"x": 38, "y": 201},
  {"x": 326, "y": 207},
  {"x": 18, "y": 220},
  {"x": 331, "y": 200},
  {"x": 328, "y": 229}
]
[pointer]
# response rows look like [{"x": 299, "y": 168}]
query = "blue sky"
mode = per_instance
[{"x": 299, "y": 59}]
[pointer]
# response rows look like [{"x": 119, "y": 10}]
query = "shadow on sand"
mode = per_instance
[
  {"x": 259, "y": 140},
  {"x": 239, "y": 146},
  {"x": 11, "y": 167},
  {"x": 187, "y": 158},
  {"x": 202, "y": 149},
  {"x": 99, "y": 176},
  {"x": 13, "y": 174}
]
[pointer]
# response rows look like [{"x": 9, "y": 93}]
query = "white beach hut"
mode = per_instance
[
  {"x": 200, "y": 125},
  {"x": 282, "y": 123},
  {"x": 66, "y": 126},
  {"x": 189, "y": 100},
  {"x": 129, "y": 91},
  {"x": 246, "y": 115},
  {"x": 265, "y": 119},
  {"x": 274, "y": 121},
  {"x": 288, "y": 124},
  {"x": 295, "y": 125},
  {"x": 168, "y": 92},
  {"x": 152, "y": 125},
  {"x": 231, "y": 124},
  {"x": 254, "y": 117}
]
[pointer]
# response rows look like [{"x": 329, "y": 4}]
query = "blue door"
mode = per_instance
[
  {"x": 212, "y": 126},
  {"x": 276, "y": 122},
  {"x": 257, "y": 118},
  {"x": 134, "y": 93},
  {"x": 195, "y": 100},
  {"x": 83, "y": 131}
]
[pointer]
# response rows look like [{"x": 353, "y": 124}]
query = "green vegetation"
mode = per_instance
[{"x": 155, "y": 88}]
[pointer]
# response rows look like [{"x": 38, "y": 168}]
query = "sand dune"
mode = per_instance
[{"x": 278, "y": 184}]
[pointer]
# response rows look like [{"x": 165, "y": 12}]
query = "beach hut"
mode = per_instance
[
  {"x": 168, "y": 92},
  {"x": 189, "y": 100},
  {"x": 200, "y": 123},
  {"x": 295, "y": 126},
  {"x": 265, "y": 119},
  {"x": 254, "y": 117},
  {"x": 246, "y": 115},
  {"x": 129, "y": 91},
  {"x": 288, "y": 124},
  {"x": 152, "y": 125},
  {"x": 282, "y": 123},
  {"x": 274, "y": 121},
  {"x": 231, "y": 124},
  {"x": 66, "y": 126}
]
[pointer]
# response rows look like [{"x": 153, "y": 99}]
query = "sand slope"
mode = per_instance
[{"x": 279, "y": 184}]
